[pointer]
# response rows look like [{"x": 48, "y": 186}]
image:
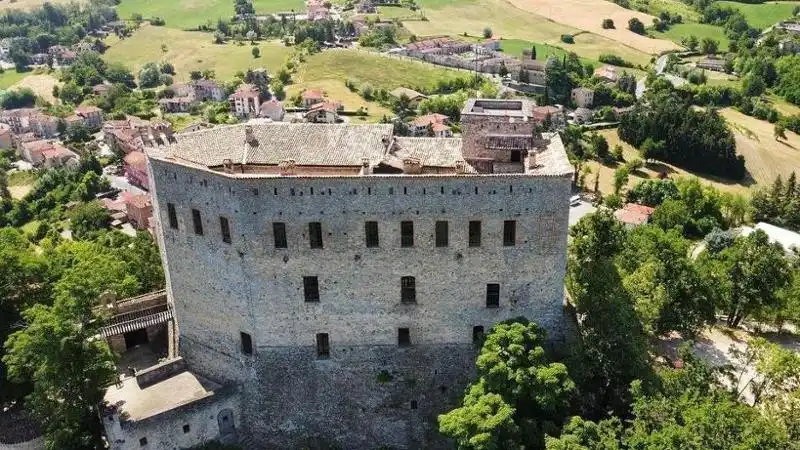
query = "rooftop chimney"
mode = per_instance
[
  {"x": 227, "y": 164},
  {"x": 287, "y": 167},
  {"x": 366, "y": 169},
  {"x": 412, "y": 166},
  {"x": 461, "y": 167},
  {"x": 249, "y": 136}
]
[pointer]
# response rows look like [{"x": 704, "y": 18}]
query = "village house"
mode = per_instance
[
  {"x": 553, "y": 114},
  {"x": 413, "y": 96},
  {"x": 133, "y": 133},
  {"x": 326, "y": 112},
  {"x": 245, "y": 101},
  {"x": 712, "y": 63},
  {"x": 272, "y": 109},
  {"x": 43, "y": 125},
  {"x": 92, "y": 116},
  {"x": 607, "y": 74},
  {"x": 582, "y": 97},
  {"x": 6, "y": 140},
  {"x": 17, "y": 119},
  {"x": 47, "y": 153},
  {"x": 633, "y": 215},
  {"x": 40, "y": 59},
  {"x": 316, "y": 10},
  {"x": 139, "y": 209},
  {"x": 135, "y": 164},
  {"x": 176, "y": 104},
  {"x": 582, "y": 116},
  {"x": 535, "y": 70},
  {"x": 437, "y": 46},
  {"x": 205, "y": 90},
  {"x": 311, "y": 97},
  {"x": 431, "y": 123},
  {"x": 366, "y": 7}
]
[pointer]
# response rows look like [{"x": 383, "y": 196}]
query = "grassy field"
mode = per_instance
[
  {"x": 186, "y": 14},
  {"x": 41, "y": 84},
  {"x": 27, "y": 4},
  {"x": 515, "y": 47},
  {"x": 655, "y": 7},
  {"x": 765, "y": 14},
  {"x": 11, "y": 77},
  {"x": 189, "y": 50},
  {"x": 20, "y": 183},
  {"x": 510, "y": 22},
  {"x": 783, "y": 106},
  {"x": 700, "y": 30}
]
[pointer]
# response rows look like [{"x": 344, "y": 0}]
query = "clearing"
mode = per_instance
[
  {"x": 191, "y": 50},
  {"x": 763, "y": 15},
  {"x": 10, "y": 77},
  {"x": 700, "y": 30},
  {"x": 449, "y": 17},
  {"x": 26, "y": 4},
  {"x": 20, "y": 183},
  {"x": 189, "y": 14},
  {"x": 589, "y": 14},
  {"x": 655, "y": 7},
  {"x": 650, "y": 170},
  {"x": 40, "y": 84}
]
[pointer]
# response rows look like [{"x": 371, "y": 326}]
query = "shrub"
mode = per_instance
[
  {"x": 567, "y": 39},
  {"x": 614, "y": 60},
  {"x": 608, "y": 24},
  {"x": 487, "y": 33},
  {"x": 157, "y": 21},
  {"x": 636, "y": 25}
]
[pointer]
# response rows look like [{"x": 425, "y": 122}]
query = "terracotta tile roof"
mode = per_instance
[
  {"x": 90, "y": 109},
  {"x": 313, "y": 94},
  {"x": 58, "y": 151},
  {"x": 541, "y": 112},
  {"x": 432, "y": 152},
  {"x": 327, "y": 106},
  {"x": 634, "y": 214},
  {"x": 410, "y": 93},
  {"x": 429, "y": 119},
  {"x": 136, "y": 159},
  {"x": 140, "y": 201},
  {"x": 606, "y": 72},
  {"x": 246, "y": 90},
  {"x": 306, "y": 144}
]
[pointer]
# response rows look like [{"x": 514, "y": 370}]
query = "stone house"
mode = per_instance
[
  {"x": 366, "y": 7},
  {"x": 245, "y": 102},
  {"x": 139, "y": 209},
  {"x": 437, "y": 123},
  {"x": 43, "y": 125},
  {"x": 327, "y": 112},
  {"x": 711, "y": 63},
  {"x": 6, "y": 138},
  {"x": 413, "y": 96},
  {"x": 205, "y": 90},
  {"x": 47, "y": 153},
  {"x": 606, "y": 73},
  {"x": 633, "y": 215},
  {"x": 272, "y": 109},
  {"x": 176, "y": 104},
  {"x": 134, "y": 134},
  {"x": 311, "y": 97},
  {"x": 91, "y": 116},
  {"x": 582, "y": 115},
  {"x": 135, "y": 164},
  {"x": 18, "y": 119},
  {"x": 582, "y": 97}
]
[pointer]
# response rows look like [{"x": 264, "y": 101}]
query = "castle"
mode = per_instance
[{"x": 331, "y": 283}]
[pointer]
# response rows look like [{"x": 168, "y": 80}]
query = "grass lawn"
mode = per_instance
[
  {"x": 191, "y": 50},
  {"x": 509, "y": 22},
  {"x": 655, "y": 7},
  {"x": 20, "y": 183},
  {"x": 700, "y": 30},
  {"x": 650, "y": 171},
  {"x": 396, "y": 12},
  {"x": 764, "y": 14},
  {"x": 40, "y": 83},
  {"x": 187, "y": 14},
  {"x": 784, "y": 107},
  {"x": 515, "y": 47},
  {"x": 11, "y": 77}
]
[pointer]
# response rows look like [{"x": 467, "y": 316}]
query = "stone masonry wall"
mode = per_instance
[
  {"x": 475, "y": 129},
  {"x": 289, "y": 397}
]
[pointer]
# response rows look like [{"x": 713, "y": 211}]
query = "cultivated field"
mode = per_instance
[
  {"x": 189, "y": 14},
  {"x": 190, "y": 50},
  {"x": 450, "y": 17},
  {"x": 700, "y": 30},
  {"x": 40, "y": 84},
  {"x": 655, "y": 7},
  {"x": 10, "y": 77},
  {"x": 764, "y": 14},
  {"x": 588, "y": 15},
  {"x": 27, "y": 4}
]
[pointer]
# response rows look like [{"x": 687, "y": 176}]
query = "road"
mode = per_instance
[
  {"x": 661, "y": 64},
  {"x": 121, "y": 183}
]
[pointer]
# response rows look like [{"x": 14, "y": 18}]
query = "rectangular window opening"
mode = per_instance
[
  {"x": 311, "y": 289},
  {"x": 477, "y": 335},
  {"x": 323, "y": 346},
  {"x": 173, "y": 216},
  {"x": 197, "y": 221},
  {"x": 403, "y": 337},
  {"x": 186, "y": 428},
  {"x": 371, "y": 234},
  {"x": 475, "y": 233},
  {"x": 407, "y": 234},
  {"x": 408, "y": 290},
  {"x": 315, "y": 234},
  {"x": 225, "y": 229},
  {"x": 247, "y": 343},
  {"x": 516, "y": 156},
  {"x": 492, "y": 295},
  {"x": 442, "y": 234},
  {"x": 509, "y": 233},
  {"x": 279, "y": 234}
]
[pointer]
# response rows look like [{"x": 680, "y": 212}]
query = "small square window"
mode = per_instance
[
  {"x": 315, "y": 234},
  {"x": 442, "y": 233},
  {"x": 371, "y": 234},
  {"x": 143, "y": 442},
  {"x": 323, "y": 346},
  {"x": 247, "y": 343},
  {"x": 173, "y": 217},
  {"x": 197, "y": 221},
  {"x": 509, "y": 233},
  {"x": 516, "y": 156},
  {"x": 225, "y": 229},
  {"x": 279, "y": 234},
  {"x": 492, "y": 295},
  {"x": 475, "y": 233},
  {"x": 186, "y": 428},
  {"x": 413, "y": 404},
  {"x": 403, "y": 337},
  {"x": 311, "y": 289}
]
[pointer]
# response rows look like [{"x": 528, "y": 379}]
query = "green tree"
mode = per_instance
[
  {"x": 487, "y": 33},
  {"x": 692, "y": 43},
  {"x": 149, "y": 75},
  {"x": 779, "y": 132},
  {"x": 652, "y": 192},
  {"x": 709, "y": 46},
  {"x": 580, "y": 434},
  {"x": 636, "y": 25},
  {"x": 256, "y": 52},
  {"x": 87, "y": 218},
  {"x": 670, "y": 214},
  {"x": 621, "y": 177},
  {"x": 608, "y": 24}
]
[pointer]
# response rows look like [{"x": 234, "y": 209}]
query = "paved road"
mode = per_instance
[
  {"x": 122, "y": 184},
  {"x": 661, "y": 64},
  {"x": 577, "y": 212}
]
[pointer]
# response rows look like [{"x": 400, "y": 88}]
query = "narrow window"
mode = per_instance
[
  {"x": 442, "y": 232},
  {"x": 403, "y": 337},
  {"x": 225, "y": 229},
  {"x": 509, "y": 233},
  {"x": 408, "y": 290},
  {"x": 173, "y": 217},
  {"x": 311, "y": 289},
  {"x": 492, "y": 295},
  {"x": 143, "y": 442},
  {"x": 247, "y": 343},
  {"x": 477, "y": 335},
  {"x": 407, "y": 234},
  {"x": 197, "y": 221},
  {"x": 323, "y": 346},
  {"x": 279, "y": 234},
  {"x": 371, "y": 234},
  {"x": 516, "y": 156},
  {"x": 315, "y": 234},
  {"x": 186, "y": 428},
  {"x": 474, "y": 233}
]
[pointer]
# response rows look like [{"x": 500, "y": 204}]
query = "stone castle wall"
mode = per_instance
[
  {"x": 477, "y": 128},
  {"x": 369, "y": 392}
]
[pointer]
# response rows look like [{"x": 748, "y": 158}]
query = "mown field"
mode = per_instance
[
  {"x": 191, "y": 50},
  {"x": 655, "y": 7},
  {"x": 27, "y": 4},
  {"x": 700, "y": 30},
  {"x": 189, "y": 14},
  {"x": 10, "y": 77},
  {"x": 450, "y": 17},
  {"x": 765, "y": 14}
]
